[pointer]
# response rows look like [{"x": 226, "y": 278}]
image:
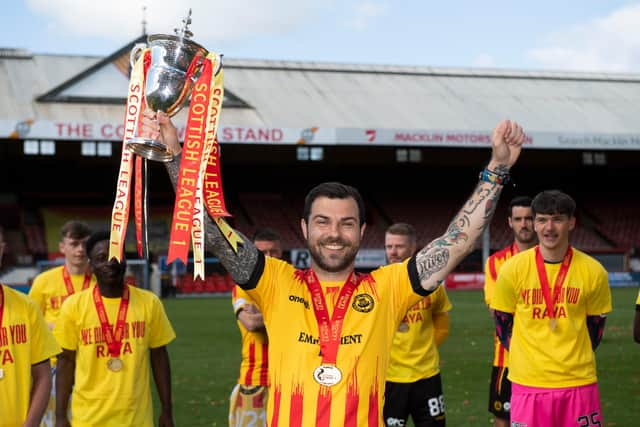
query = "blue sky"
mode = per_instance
[{"x": 582, "y": 35}]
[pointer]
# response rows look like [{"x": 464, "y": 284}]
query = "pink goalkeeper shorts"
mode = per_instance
[{"x": 555, "y": 407}]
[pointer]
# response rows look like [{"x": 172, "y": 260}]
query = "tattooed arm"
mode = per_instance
[
  {"x": 441, "y": 256},
  {"x": 241, "y": 264}
]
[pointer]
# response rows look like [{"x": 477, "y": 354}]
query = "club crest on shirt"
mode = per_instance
[{"x": 362, "y": 303}]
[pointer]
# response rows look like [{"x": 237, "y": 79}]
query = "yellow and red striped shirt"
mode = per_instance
[
  {"x": 379, "y": 303},
  {"x": 491, "y": 269},
  {"x": 255, "y": 363}
]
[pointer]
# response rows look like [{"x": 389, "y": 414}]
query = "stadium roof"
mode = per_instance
[{"x": 288, "y": 94}]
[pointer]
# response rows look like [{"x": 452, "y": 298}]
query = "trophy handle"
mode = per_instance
[
  {"x": 218, "y": 64},
  {"x": 136, "y": 52}
]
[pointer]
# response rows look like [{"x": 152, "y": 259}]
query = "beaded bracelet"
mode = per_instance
[{"x": 494, "y": 178}]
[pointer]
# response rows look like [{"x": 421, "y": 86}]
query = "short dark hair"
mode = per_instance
[
  {"x": 520, "y": 201},
  {"x": 403, "y": 229},
  {"x": 334, "y": 190},
  {"x": 553, "y": 202},
  {"x": 94, "y": 238},
  {"x": 266, "y": 234},
  {"x": 75, "y": 229}
]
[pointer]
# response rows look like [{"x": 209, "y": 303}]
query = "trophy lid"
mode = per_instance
[
  {"x": 184, "y": 32},
  {"x": 182, "y": 36}
]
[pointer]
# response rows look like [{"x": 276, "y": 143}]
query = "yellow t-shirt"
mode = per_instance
[
  {"x": 414, "y": 354},
  {"x": 102, "y": 397},
  {"x": 540, "y": 356},
  {"x": 491, "y": 269},
  {"x": 49, "y": 291},
  {"x": 638, "y": 300},
  {"x": 24, "y": 341},
  {"x": 378, "y": 304},
  {"x": 254, "y": 365}
]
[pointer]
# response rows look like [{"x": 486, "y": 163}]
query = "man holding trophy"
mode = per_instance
[
  {"x": 329, "y": 344},
  {"x": 169, "y": 73}
]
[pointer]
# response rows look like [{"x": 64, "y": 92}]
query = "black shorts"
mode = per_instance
[
  {"x": 422, "y": 400},
  {"x": 500, "y": 393}
]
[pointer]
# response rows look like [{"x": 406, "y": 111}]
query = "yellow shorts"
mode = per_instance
[{"x": 248, "y": 406}]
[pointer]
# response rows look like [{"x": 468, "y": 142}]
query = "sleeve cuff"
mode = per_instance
[{"x": 415, "y": 280}]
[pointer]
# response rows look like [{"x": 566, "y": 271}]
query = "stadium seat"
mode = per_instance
[{"x": 209, "y": 284}]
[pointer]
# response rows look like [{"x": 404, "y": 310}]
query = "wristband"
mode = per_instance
[{"x": 493, "y": 178}]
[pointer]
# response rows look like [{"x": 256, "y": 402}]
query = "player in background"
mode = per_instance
[{"x": 520, "y": 222}]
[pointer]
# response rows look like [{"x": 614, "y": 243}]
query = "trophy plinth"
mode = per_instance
[
  {"x": 149, "y": 149},
  {"x": 176, "y": 62}
]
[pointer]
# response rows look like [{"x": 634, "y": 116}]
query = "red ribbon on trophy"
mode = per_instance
[{"x": 199, "y": 184}]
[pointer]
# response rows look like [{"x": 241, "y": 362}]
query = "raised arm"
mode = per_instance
[
  {"x": 241, "y": 264},
  {"x": 435, "y": 261}
]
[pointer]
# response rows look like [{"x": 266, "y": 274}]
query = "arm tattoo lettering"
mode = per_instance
[{"x": 430, "y": 261}]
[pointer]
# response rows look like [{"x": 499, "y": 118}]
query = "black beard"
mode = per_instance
[
  {"x": 343, "y": 264},
  {"x": 532, "y": 239}
]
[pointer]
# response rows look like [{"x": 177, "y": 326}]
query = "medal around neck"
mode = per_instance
[
  {"x": 114, "y": 364},
  {"x": 327, "y": 375}
]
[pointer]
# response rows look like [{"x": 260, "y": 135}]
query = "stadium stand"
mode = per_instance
[
  {"x": 617, "y": 219},
  {"x": 272, "y": 210},
  {"x": 430, "y": 217}
]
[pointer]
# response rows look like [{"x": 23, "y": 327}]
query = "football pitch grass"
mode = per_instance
[{"x": 205, "y": 359}]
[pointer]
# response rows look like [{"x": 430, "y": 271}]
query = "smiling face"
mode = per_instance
[
  {"x": 553, "y": 231},
  {"x": 333, "y": 235},
  {"x": 109, "y": 273}
]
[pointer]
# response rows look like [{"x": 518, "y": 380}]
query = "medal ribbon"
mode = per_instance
[
  {"x": 113, "y": 340},
  {"x": 120, "y": 212},
  {"x": 67, "y": 280},
  {"x": 330, "y": 328},
  {"x": 544, "y": 280}
]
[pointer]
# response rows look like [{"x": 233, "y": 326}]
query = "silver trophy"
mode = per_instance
[{"x": 176, "y": 62}]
